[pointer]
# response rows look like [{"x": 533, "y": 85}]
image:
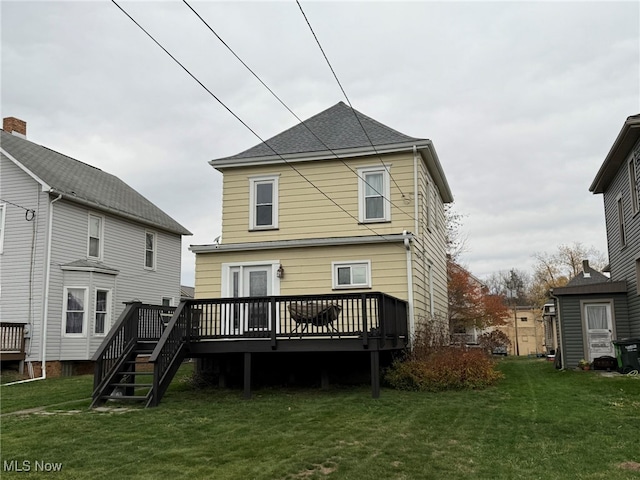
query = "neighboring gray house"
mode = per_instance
[
  {"x": 75, "y": 244},
  {"x": 593, "y": 306}
]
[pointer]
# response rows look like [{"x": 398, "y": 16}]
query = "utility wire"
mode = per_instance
[
  {"x": 29, "y": 213},
  {"x": 242, "y": 122},
  {"x": 296, "y": 116},
  {"x": 347, "y": 98}
]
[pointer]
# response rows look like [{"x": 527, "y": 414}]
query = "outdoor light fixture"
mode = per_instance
[{"x": 280, "y": 272}]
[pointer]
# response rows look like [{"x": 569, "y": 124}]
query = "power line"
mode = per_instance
[
  {"x": 347, "y": 98},
  {"x": 302, "y": 122},
  {"x": 29, "y": 213},
  {"x": 242, "y": 122}
]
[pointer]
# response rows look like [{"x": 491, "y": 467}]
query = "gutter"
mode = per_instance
[
  {"x": 45, "y": 315},
  {"x": 298, "y": 243}
]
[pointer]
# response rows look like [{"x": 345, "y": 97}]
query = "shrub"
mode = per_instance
[
  {"x": 448, "y": 368},
  {"x": 433, "y": 366},
  {"x": 494, "y": 340}
]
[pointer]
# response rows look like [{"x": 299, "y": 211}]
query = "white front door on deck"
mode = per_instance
[{"x": 598, "y": 330}]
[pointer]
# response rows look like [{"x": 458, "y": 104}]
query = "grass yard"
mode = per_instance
[{"x": 537, "y": 423}]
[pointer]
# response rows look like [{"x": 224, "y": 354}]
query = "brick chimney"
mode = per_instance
[{"x": 15, "y": 126}]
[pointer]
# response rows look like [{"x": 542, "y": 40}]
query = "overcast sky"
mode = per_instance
[{"x": 522, "y": 100}]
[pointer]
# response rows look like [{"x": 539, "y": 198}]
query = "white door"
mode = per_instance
[
  {"x": 249, "y": 281},
  {"x": 599, "y": 330},
  {"x": 256, "y": 282}
]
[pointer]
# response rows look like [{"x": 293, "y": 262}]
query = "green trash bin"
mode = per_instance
[{"x": 628, "y": 354}]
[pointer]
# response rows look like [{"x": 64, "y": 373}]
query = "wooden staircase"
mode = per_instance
[{"x": 138, "y": 359}]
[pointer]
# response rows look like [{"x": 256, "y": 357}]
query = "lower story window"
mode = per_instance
[
  {"x": 102, "y": 312},
  {"x": 74, "y": 310},
  {"x": 355, "y": 274}
]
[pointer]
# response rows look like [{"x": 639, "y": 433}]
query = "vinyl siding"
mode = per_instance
[
  {"x": 622, "y": 258},
  {"x": 21, "y": 300},
  {"x": 304, "y": 212},
  {"x": 308, "y": 270},
  {"x": 124, "y": 250},
  {"x": 572, "y": 324}
]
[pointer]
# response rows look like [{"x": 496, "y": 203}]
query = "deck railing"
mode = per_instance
[
  {"x": 12, "y": 341},
  {"x": 347, "y": 315}
]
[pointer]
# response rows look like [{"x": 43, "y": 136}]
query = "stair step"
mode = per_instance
[
  {"x": 134, "y": 385},
  {"x": 135, "y": 373},
  {"x": 123, "y": 397}
]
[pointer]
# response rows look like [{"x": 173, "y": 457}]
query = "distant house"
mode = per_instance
[
  {"x": 592, "y": 309},
  {"x": 525, "y": 331},
  {"x": 75, "y": 244},
  {"x": 332, "y": 254}
]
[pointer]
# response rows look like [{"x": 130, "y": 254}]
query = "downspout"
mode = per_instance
[
  {"x": 560, "y": 347},
  {"x": 45, "y": 314},
  {"x": 407, "y": 246},
  {"x": 416, "y": 227},
  {"x": 419, "y": 233}
]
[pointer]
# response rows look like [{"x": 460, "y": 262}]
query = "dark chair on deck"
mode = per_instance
[{"x": 319, "y": 314}]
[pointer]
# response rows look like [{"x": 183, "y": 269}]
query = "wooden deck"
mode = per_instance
[{"x": 352, "y": 322}]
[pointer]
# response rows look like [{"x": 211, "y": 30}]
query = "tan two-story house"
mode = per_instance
[{"x": 334, "y": 204}]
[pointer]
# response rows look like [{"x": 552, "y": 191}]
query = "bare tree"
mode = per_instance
[{"x": 556, "y": 269}]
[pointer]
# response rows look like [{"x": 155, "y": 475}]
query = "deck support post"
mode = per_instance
[
  {"x": 324, "y": 379},
  {"x": 375, "y": 374},
  {"x": 247, "y": 375}
]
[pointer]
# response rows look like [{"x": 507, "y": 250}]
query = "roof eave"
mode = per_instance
[
  {"x": 626, "y": 139},
  {"x": 437, "y": 172},
  {"x": 232, "y": 162}
]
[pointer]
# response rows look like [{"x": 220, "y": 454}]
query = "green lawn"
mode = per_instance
[{"x": 537, "y": 423}]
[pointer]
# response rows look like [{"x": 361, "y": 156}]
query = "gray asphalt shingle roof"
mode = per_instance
[
  {"x": 338, "y": 129},
  {"x": 81, "y": 182},
  {"x": 594, "y": 277}
]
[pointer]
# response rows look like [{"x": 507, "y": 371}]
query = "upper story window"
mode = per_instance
[
  {"x": 621, "y": 226},
  {"x": 2, "y": 213},
  {"x": 96, "y": 233},
  {"x": 150, "y": 250},
  {"x": 74, "y": 311},
  {"x": 373, "y": 194},
  {"x": 633, "y": 186},
  {"x": 355, "y": 274},
  {"x": 263, "y": 203}
]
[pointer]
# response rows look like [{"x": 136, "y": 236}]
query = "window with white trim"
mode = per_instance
[
  {"x": 102, "y": 320},
  {"x": 75, "y": 300},
  {"x": 2, "y": 214},
  {"x": 374, "y": 193},
  {"x": 621, "y": 226},
  {"x": 96, "y": 230},
  {"x": 263, "y": 203},
  {"x": 356, "y": 274},
  {"x": 633, "y": 186},
  {"x": 149, "y": 250}
]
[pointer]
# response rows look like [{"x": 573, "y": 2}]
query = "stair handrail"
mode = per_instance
[
  {"x": 168, "y": 350},
  {"x": 121, "y": 336}
]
